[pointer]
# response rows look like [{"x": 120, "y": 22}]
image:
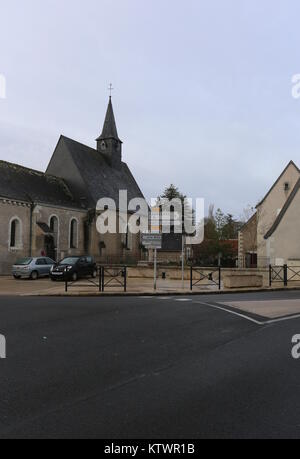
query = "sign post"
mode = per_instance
[
  {"x": 153, "y": 241},
  {"x": 182, "y": 261},
  {"x": 155, "y": 269}
]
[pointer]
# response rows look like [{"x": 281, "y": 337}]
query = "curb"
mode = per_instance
[{"x": 159, "y": 294}]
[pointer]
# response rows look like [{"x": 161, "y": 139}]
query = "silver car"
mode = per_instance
[{"x": 32, "y": 268}]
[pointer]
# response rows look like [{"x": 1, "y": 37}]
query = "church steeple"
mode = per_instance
[{"x": 109, "y": 143}]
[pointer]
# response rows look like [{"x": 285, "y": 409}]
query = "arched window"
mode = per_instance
[
  {"x": 15, "y": 234},
  {"x": 54, "y": 228},
  {"x": 73, "y": 234}
]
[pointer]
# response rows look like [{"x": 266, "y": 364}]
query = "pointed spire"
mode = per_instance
[
  {"x": 109, "y": 144},
  {"x": 109, "y": 129}
]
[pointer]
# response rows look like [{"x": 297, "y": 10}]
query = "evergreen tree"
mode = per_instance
[{"x": 172, "y": 192}]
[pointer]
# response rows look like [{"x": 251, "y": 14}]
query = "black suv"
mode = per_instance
[{"x": 73, "y": 268}]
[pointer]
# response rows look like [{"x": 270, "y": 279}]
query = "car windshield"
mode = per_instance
[
  {"x": 24, "y": 261},
  {"x": 69, "y": 261}
]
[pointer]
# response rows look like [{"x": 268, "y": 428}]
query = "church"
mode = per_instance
[{"x": 54, "y": 213}]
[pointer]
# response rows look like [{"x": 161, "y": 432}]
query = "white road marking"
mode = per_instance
[
  {"x": 231, "y": 312},
  {"x": 282, "y": 319},
  {"x": 243, "y": 316}
]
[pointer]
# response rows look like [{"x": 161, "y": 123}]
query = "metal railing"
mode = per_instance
[
  {"x": 107, "y": 277},
  {"x": 113, "y": 276},
  {"x": 284, "y": 274},
  {"x": 277, "y": 274},
  {"x": 90, "y": 282},
  {"x": 293, "y": 274},
  {"x": 213, "y": 276}
]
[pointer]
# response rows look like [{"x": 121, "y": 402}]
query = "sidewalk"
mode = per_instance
[
  {"x": 10, "y": 286},
  {"x": 135, "y": 287}
]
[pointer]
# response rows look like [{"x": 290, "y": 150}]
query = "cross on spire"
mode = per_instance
[{"x": 110, "y": 89}]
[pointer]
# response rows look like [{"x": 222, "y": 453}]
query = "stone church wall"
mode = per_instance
[
  {"x": 8, "y": 211},
  {"x": 43, "y": 214},
  {"x": 109, "y": 248}
]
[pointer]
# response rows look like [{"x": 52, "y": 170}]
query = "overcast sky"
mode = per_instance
[{"x": 202, "y": 88}]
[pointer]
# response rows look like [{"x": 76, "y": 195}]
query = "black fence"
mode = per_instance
[
  {"x": 205, "y": 277},
  {"x": 107, "y": 277},
  {"x": 113, "y": 276},
  {"x": 277, "y": 274},
  {"x": 284, "y": 275},
  {"x": 93, "y": 283}
]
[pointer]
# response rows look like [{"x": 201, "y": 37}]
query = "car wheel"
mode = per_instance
[
  {"x": 34, "y": 275},
  {"x": 74, "y": 277},
  {"x": 94, "y": 275}
]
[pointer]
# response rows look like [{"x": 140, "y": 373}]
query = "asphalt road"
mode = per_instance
[{"x": 134, "y": 368}]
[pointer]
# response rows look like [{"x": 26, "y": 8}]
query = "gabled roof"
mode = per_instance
[
  {"x": 110, "y": 128},
  {"x": 283, "y": 210},
  {"x": 28, "y": 185},
  {"x": 254, "y": 216},
  {"x": 291, "y": 163},
  {"x": 100, "y": 178}
]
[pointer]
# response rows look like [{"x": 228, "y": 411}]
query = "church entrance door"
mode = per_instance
[{"x": 50, "y": 247}]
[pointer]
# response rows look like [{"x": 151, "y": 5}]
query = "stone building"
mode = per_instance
[
  {"x": 271, "y": 236},
  {"x": 54, "y": 213}
]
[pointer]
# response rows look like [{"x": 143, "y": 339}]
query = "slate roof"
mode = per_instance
[
  {"x": 28, "y": 185},
  {"x": 283, "y": 210},
  {"x": 77, "y": 175},
  {"x": 100, "y": 178}
]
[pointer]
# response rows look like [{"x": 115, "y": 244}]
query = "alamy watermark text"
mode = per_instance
[{"x": 176, "y": 216}]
